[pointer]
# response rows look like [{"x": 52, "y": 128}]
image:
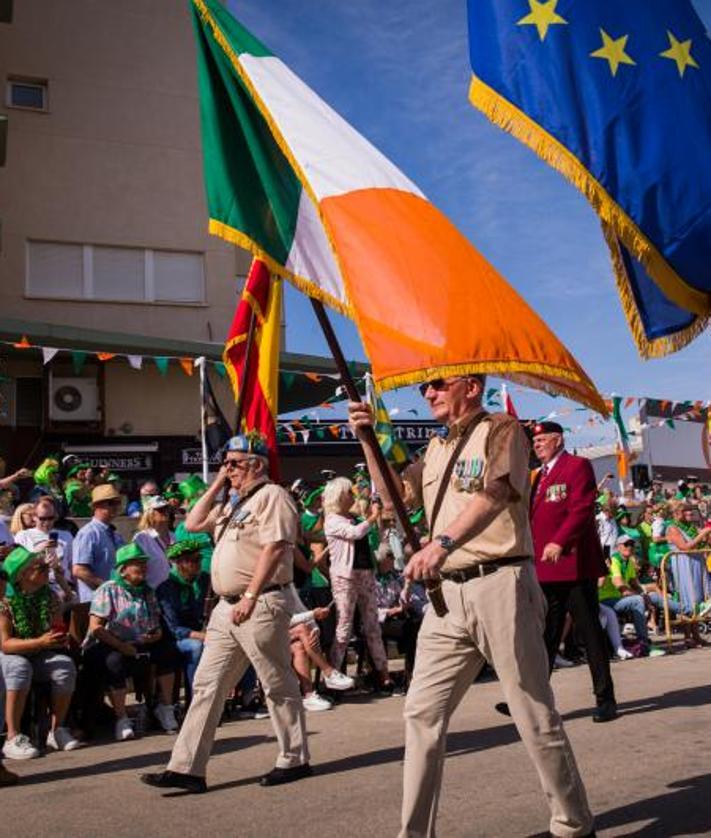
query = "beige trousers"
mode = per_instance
[
  {"x": 498, "y": 618},
  {"x": 262, "y": 641}
]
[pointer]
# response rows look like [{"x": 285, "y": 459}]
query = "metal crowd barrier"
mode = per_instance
[{"x": 682, "y": 620}]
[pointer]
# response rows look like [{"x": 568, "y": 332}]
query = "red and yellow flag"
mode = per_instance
[{"x": 261, "y": 295}]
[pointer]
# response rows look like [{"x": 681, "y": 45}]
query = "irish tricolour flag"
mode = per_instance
[{"x": 290, "y": 180}]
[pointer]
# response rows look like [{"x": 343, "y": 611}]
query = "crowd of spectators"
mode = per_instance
[{"x": 87, "y": 613}]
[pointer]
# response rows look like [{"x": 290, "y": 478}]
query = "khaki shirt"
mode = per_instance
[
  {"x": 509, "y": 534},
  {"x": 267, "y": 516}
]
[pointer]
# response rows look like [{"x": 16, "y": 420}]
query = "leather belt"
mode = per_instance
[
  {"x": 233, "y": 600},
  {"x": 481, "y": 569}
]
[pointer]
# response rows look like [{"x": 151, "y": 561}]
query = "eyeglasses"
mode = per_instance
[
  {"x": 439, "y": 384},
  {"x": 627, "y": 544}
]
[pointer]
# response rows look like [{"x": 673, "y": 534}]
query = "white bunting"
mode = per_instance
[
  {"x": 48, "y": 353},
  {"x": 136, "y": 361}
]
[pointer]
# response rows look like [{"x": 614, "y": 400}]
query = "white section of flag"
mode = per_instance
[{"x": 333, "y": 156}]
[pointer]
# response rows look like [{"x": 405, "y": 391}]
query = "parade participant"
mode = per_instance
[
  {"x": 481, "y": 555},
  {"x": 125, "y": 636},
  {"x": 95, "y": 545},
  {"x": 182, "y": 602},
  {"x": 251, "y": 566},
  {"x": 353, "y": 576},
  {"x": 568, "y": 555},
  {"x": 33, "y": 641},
  {"x": 154, "y": 538}
]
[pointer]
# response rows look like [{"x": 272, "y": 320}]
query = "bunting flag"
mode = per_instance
[
  {"x": 261, "y": 295},
  {"x": 288, "y": 179},
  {"x": 623, "y": 446},
  {"x": 48, "y": 353},
  {"x": 135, "y": 361},
  {"x": 611, "y": 94},
  {"x": 394, "y": 449},
  {"x": 162, "y": 364},
  {"x": 187, "y": 365}
]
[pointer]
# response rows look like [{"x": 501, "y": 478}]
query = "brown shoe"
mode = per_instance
[{"x": 7, "y": 778}]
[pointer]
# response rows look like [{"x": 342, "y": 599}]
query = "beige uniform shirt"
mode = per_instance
[
  {"x": 509, "y": 534},
  {"x": 267, "y": 516}
]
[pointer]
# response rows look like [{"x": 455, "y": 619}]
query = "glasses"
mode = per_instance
[
  {"x": 628, "y": 544},
  {"x": 439, "y": 384},
  {"x": 238, "y": 465}
]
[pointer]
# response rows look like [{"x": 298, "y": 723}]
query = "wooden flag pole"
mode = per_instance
[{"x": 372, "y": 442}]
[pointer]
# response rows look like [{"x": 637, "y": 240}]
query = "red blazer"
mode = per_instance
[{"x": 563, "y": 512}]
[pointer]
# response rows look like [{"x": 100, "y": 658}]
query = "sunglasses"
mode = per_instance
[
  {"x": 46, "y": 517},
  {"x": 439, "y": 384},
  {"x": 238, "y": 465},
  {"x": 627, "y": 544}
]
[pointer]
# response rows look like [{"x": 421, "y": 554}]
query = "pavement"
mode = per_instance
[{"x": 646, "y": 773}]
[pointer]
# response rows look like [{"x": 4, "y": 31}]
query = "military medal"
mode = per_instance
[{"x": 467, "y": 475}]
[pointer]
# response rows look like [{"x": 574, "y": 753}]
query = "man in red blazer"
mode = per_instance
[{"x": 568, "y": 555}]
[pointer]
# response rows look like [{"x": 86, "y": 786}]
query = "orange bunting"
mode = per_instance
[
  {"x": 23, "y": 344},
  {"x": 187, "y": 365},
  {"x": 665, "y": 405},
  {"x": 105, "y": 356},
  {"x": 313, "y": 376},
  {"x": 327, "y": 406},
  {"x": 629, "y": 401},
  {"x": 334, "y": 430}
]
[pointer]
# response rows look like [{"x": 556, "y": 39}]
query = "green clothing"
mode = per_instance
[
  {"x": 627, "y": 569},
  {"x": 206, "y": 546},
  {"x": 78, "y": 499}
]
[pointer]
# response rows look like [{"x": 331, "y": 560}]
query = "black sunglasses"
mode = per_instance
[{"x": 439, "y": 384}]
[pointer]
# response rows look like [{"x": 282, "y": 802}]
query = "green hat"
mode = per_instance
[
  {"x": 130, "y": 553},
  {"x": 192, "y": 487},
  {"x": 621, "y": 513},
  {"x": 16, "y": 561},
  {"x": 311, "y": 497},
  {"x": 77, "y": 468},
  {"x": 183, "y": 548}
]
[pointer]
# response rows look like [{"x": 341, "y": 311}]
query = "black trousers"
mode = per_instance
[{"x": 580, "y": 598}]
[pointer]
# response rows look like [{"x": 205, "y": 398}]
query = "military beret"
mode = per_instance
[{"x": 547, "y": 428}]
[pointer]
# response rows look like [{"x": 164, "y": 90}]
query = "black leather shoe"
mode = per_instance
[
  {"x": 503, "y": 708},
  {"x": 173, "y": 780},
  {"x": 606, "y": 712},
  {"x": 279, "y": 776}
]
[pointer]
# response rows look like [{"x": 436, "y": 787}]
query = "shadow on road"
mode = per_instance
[
  {"x": 689, "y": 697},
  {"x": 680, "y": 811},
  {"x": 136, "y": 762}
]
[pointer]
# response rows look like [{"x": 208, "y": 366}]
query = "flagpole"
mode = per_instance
[
  {"x": 371, "y": 441},
  {"x": 203, "y": 428}
]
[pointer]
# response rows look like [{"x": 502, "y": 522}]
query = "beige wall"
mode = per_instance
[{"x": 115, "y": 161}]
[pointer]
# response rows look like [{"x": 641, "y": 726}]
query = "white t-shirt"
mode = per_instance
[{"x": 32, "y": 538}]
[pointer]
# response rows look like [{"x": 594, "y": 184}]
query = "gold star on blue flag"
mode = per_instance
[{"x": 617, "y": 97}]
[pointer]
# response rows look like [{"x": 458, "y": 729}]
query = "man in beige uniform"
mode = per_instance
[
  {"x": 481, "y": 554},
  {"x": 251, "y": 566}
]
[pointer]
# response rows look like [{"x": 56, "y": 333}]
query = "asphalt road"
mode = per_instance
[{"x": 646, "y": 773}]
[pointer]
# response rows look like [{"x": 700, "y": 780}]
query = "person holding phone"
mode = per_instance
[
  {"x": 125, "y": 636},
  {"x": 34, "y": 647},
  {"x": 56, "y": 544}
]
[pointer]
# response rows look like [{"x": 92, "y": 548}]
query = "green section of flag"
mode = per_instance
[
  {"x": 394, "y": 449},
  {"x": 617, "y": 417},
  {"x": 251, "y": 186}
]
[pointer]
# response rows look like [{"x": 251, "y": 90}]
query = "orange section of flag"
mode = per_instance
[
  {"x": 261, "y": 295},
  {"x": 187, "y": 365}
]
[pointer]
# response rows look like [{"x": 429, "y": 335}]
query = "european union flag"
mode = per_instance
[{"x": 616, "y": 96}]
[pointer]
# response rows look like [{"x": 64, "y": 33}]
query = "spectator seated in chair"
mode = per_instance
[
  {"x": 182, "y": 602},
  {"x": 306, "y": 651},
  {"x": 34, "y": 648},
  {"x": 125, "y": 637},
  {"x": 400, "y": 615}
]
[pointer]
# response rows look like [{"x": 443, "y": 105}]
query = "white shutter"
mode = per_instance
[
  {"x": 178, "y": 277},
  {"x": 54, "y": 270},
  {"x": 118, "y": 273}
]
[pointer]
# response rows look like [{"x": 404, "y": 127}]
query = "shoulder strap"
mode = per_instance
[
  {"x": 446, "y": 474},
  {"x": 237, "y": 507}
]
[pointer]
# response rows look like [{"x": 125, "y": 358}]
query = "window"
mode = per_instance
[
  {"x": 5, "y": 11},
  {"x": 120, "y": 274},
  {"x": 3, "y": 139},
  {"x": 27, "y": 93}
]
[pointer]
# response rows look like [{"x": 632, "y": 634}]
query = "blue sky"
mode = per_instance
[{"x": 398, "y": 71}]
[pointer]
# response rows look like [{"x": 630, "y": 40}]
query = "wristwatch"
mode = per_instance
[
  {"x": 446, "y": 542},
  {"x": 249, "y": 595}
]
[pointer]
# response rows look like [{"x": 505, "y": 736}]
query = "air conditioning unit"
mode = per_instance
[{"x": 74, "y": 400}]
